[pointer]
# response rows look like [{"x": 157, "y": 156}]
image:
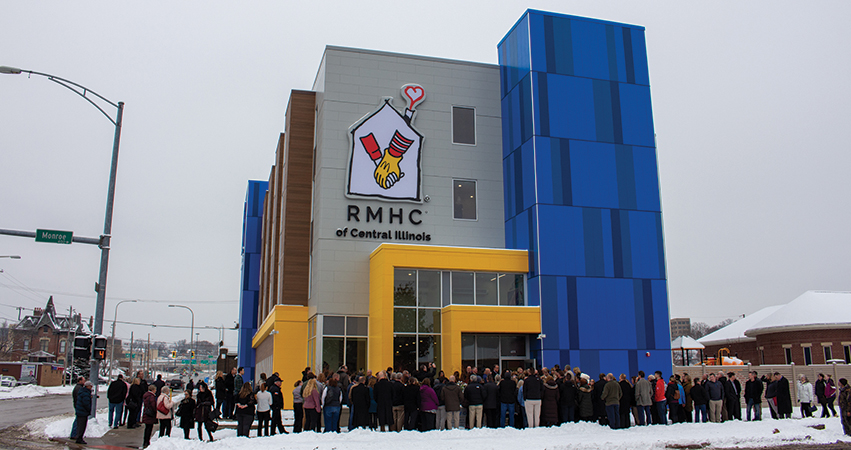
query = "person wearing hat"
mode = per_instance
[{"x": 82, "y": 410}]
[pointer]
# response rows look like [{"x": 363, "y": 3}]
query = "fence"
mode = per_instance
[{"x": 790, "y": 371}]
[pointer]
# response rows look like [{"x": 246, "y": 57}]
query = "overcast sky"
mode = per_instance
[{"x": 750, "y": 105}]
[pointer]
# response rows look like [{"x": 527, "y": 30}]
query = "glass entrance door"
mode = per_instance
[{"x": 488, "y": 350}]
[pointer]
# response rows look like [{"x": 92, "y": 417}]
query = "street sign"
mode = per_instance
[{"x": 54, "y": 236}]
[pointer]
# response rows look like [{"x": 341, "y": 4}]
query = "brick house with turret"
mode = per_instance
[{"x": 45, "y": 336}]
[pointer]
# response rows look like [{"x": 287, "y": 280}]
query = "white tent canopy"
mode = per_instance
[{"x": 687, "y": 343}]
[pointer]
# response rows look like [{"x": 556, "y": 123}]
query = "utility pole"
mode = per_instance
[
  {"x": 69, "y": 343},
  {"x": 131, "y": 352},
  {"x": 148, "y": 356},
  {"x": 20, "y": 308}
]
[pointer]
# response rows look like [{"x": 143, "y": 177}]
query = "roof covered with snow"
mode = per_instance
[
  {"x": 735, "y": 332},
  {"x": 812, "y": 310},
  {"x": 686, "y": 342}
]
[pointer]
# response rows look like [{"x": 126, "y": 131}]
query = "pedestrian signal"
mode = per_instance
[{"x": 83, "y": 347}]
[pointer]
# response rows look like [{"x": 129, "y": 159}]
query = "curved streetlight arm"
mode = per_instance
[
  {"x": 191, "y": 333},
  {"x": 68, "y": 84},
  {"x": 112, "y": 345}
]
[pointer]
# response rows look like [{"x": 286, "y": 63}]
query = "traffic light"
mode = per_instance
[
  {"x": 99, "y": 351},
  {"x": 193, "y": 354},
  {"x": 173, "y": 354},
  {"x": 83, "y": 347}
]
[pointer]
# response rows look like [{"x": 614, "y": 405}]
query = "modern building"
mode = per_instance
[
  {"x": 249, "y": 298},
  {"x": 811, "y": 329},
  {"x": 680, "y": 326},
  {"x": 430, "y": 210}
]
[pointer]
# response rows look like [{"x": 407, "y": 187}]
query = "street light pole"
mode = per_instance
[
  {"x": 191, "y": 335},
  {"x": 83, "y": 91},
  {"x": 112, "y": 347}
]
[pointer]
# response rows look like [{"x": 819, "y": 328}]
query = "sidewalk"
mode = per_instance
[{"x": 115, "y": 439}]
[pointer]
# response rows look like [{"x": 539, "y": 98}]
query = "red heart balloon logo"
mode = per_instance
[{"x": 414, "y": 94}]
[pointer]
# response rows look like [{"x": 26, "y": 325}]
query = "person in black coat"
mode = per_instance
[
  {"x": 507, "y": 400},
  {"x": 82, "y": 410},
  {"x": 383, "y": 392},
  {"x": 567, "y": 398},
  {"x": 491, "y": 404},
  {"x": 599, "y": 406},
  {"x": 753, "y": 396},
  {"x": 360, "y": 401},
  {"x": 700, "y": 399},
  {"x": 426, "y": 371},
  {"x": 227, "y": 413},
  {"x": 397, "y": 391},
  {"x": 134, "y": 402},
  {"x": 784, "y": 397},
  {"x": 411, "y": 399},
  {"x": 627, "y": 396},
  {"x": 221, "y": 392},
  {"x": 116, "y": 393},
  {"x": 274, "y": 388},
  {"x": 203, "y": 408},
  {"x": 732, "y": 392},
  {"x": 186, "y": 412}
]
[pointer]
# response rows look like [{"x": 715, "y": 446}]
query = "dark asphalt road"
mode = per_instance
[{"x": 19, "y": 411}]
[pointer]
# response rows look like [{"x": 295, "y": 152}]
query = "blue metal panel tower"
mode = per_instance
[
  {"x": 582, "y": 190},
  {"x": 252, "y": 227}
]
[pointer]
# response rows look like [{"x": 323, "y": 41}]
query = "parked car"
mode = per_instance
[
  {"x": 8, "y": 381},
  {"x": 176, "y": 383}
]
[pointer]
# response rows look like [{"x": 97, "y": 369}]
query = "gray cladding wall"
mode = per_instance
[{"x": 350, "y": 84}]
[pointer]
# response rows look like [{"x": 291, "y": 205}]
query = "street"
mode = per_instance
[{"x": 22, "y": 410}]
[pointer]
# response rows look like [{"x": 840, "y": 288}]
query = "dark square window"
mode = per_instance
[
  {"x": 463, "y": 125},
  {"x": 788, "y": 352},
  {"x": 808, "y": 355},
  {"x": 464, "y": 203}
]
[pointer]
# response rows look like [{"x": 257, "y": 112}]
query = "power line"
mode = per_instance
[{"x": 71, "y": 294}]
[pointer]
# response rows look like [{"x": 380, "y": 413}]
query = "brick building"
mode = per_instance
[
  {"x": 680, "y": 326},
  {"x": 45, "y": 336},
  {"x": 812, "y": 329}
]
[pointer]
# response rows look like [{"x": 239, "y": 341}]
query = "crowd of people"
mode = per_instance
[{"x": 429, "y": 400}]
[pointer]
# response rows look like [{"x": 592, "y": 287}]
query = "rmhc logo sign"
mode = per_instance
[{"x": 385, "y": 160}]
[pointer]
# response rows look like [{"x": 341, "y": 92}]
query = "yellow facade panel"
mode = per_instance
[
  {"x": 456, "y": 319},
  {"x": 287, "y": 326}
]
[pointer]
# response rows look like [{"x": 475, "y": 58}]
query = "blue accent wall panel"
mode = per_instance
[
  {"x": 581, "y": 180},
  {"x": 252, "y": 227}
]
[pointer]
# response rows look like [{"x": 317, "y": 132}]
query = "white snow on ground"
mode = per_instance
[
  {"x": 32, "y": 390},
  {"x": 60, "y": 426},
  {"x": 568, "y": 436}
]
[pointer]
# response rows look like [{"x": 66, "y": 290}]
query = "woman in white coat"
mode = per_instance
[{"x": 805, "y": 396}]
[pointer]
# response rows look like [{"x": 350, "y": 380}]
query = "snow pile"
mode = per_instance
[
  {"x": 62, "y": 428},
  {"x": 32, "y": 390},
  {"x": 565, "y": 437},
  {"x": 25, "y": 391}
]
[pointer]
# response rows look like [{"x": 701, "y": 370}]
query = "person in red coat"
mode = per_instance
[{"x": 149, "y": 414}]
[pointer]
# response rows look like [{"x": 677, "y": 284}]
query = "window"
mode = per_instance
[
  {"x": 26, "y": 345},
  {"x": 488, "y": 350},
  {"x": 344, "y": 342},
  {"x": 788, "y": 352},
  {"x": 828, "y": 353},
  {"x": 62, "y": 347},
  {"x": 464, "y": 193},
  {"x": 463, "y": 125},
  {"x": 433, "y": 289},
  {"x": 847, "y": 350},
  {"x": 808, "y": 356},
  {"x": 416, "y": 318},
  {"x": 43, "y": 343}
]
